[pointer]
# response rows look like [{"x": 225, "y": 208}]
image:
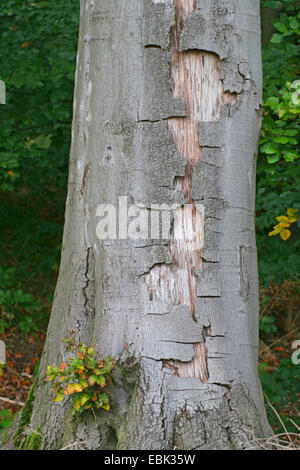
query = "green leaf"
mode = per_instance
[
  {"x": 282, "y": 27},
  {"x": 272, "y": 102},
  {"x": 92, "y": 380},
  {"x": 281, "y": 140},
  {"x": 276, "y": 39},
  {"x": 268, "y": 148},
  {"x": 273, "y": 159},
  {"x": 289, "y": 156},
  {"x": 101, "y": 380}
]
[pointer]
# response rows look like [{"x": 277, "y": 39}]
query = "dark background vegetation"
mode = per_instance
[{"x": 38, "y": 41}]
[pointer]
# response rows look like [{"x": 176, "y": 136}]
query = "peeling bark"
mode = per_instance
[
  {"x": 166, "y": 107},
  {"x": 196, "y": 368},
  {"x": 196, "y": 80}
]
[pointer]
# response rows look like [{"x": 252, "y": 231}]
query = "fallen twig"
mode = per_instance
[{"x": 11, "y": 402}]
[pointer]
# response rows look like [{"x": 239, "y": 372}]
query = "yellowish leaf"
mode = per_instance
[
  {"x": 283, "y": 225},
  {"x": 276, "y": 231},
  {"x": 73, "y": 388},
  {"x": 284, "y": 221},
  {"x": 285, "y": 234},
  {"x": 59, "y": 397},
  {"x": 292, "y": 212}
]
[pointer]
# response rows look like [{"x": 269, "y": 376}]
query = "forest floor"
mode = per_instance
[
  {"x": 23, "y": 352},
  {"x": 272, "y": 357}
]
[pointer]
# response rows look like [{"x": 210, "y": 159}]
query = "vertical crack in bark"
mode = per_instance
[
  {"x": 86, "y": 170},
  {"x": 177, "y": 283},
  {"x": 196, "y": 80},
  {"x": 244, "y": 276},
  {"x": 187, "y": 77},
  {"x": 87, "y": 281}
]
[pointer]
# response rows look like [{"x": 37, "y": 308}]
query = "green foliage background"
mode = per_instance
[
  {"x": 278, "y": 176},
  {"x": 38, "y": 41}
]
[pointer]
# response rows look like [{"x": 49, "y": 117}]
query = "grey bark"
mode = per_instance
[{"x": 122, "y": 145}]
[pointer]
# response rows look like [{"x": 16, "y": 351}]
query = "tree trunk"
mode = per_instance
[{"x": 166, "y": 112}]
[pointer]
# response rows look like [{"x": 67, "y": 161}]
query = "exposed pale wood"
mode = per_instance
[
  {"x": 196, "y": 80},
  {"x": 196, "y": 368}
]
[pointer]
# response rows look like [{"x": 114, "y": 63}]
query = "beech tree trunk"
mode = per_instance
[{"x": 166, "y": 112}]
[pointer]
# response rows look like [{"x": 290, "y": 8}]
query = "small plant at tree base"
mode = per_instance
[{"x": 84, "y": 377}]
